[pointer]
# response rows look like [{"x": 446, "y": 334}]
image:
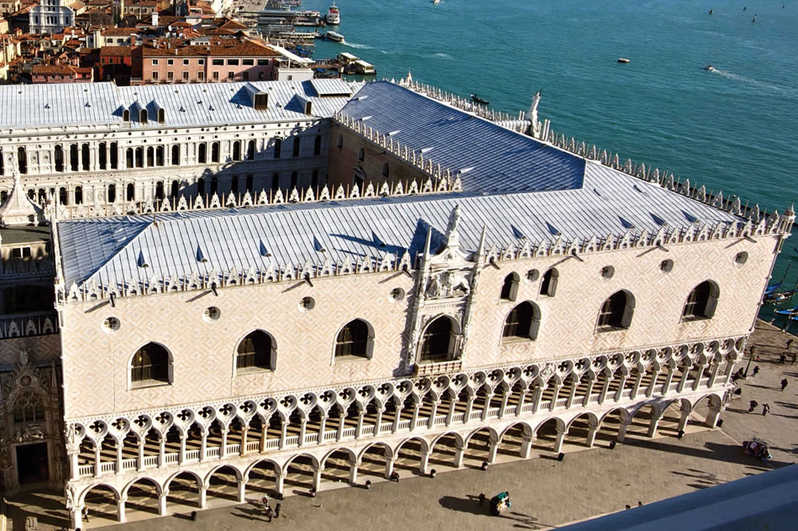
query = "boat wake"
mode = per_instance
[
  {"x": 442, "y": 55},
  {"x": 751, "y": 81},
  {"x": 358, "y": 46}
]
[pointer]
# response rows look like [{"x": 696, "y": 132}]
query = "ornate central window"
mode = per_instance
[
  {"x": 616, "y": 312},
  {"x": 256, "y": 350},
  {"x": 151, "y": 364},
  {"x": 354, "y": 339}
]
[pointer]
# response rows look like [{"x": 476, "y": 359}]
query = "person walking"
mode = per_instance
[
  {"x": 269, "y": 512},
  {"x": 756, "y": 370},
  {"x": 752, "y": 406},
  {"x": 85, "y": 513},
  {"x": 277, "y": 511},
  {"x": 765, "y": 409},
  {"x": 784, "y": 383}
]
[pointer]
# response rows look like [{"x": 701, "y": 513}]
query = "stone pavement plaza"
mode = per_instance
[{"x": 545, "y": 492}]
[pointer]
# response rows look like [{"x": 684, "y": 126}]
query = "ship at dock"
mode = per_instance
[{"x": 333, "y": 15}]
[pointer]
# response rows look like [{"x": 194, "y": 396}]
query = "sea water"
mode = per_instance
[{"x": 735, "y": 129}]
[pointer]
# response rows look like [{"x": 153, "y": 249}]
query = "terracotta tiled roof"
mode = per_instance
[
  {"x": 242, "y": 50},
  {"x": 119, "y": 32},
  {"x": 116, "y": 50},
  {"x": 45, "y": 70}
]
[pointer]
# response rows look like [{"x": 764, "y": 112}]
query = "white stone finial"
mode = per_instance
[
  {"x": 535, "y": 125},
  {"x": 18, "y": 208},
  {"x": 452, "y": 235}
]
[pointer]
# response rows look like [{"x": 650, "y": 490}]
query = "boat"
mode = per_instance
[
  {"x": 479, "y": 101},
  {"x": 787, "y": 311},
  {"x": 710, "y": 68},
  {"x": 334, "y": 36},
  {"x": 779, "y": 296},
  {"x": 436, "y": 2},
  {"x": 333, "y": 15},
  {"x": 624, "y": 60}
]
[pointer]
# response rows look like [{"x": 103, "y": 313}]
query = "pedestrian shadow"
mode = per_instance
[
  {"x": 760, "y": 386},
  {"x": 471, "y": 504},
  {"x": 788, "y": 405}
]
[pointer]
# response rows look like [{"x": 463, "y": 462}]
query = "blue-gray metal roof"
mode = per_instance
[
  {"x": 185, "y": 105},
  {"x": 111, "y": 250},
  {"x": 499, "y": 159}
]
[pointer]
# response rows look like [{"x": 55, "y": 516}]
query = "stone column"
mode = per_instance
[
  {"x": 537, "y": 396},
  {"x": 223, "y": 449},
  {"x": 378, "y": 424},
  {"x": 698, "y": 376},
  {"x": 591, "y": 435},
  {"x": 469, "y": 407},
  {"x": 121, "y": 517},
  {"x": 359, "y": 426},
  {"x": 505, "y": 399},
  {"x": 140, "y": 460},
  {"x": 590, "y": 385},
  {"x": 242, "y": 490},
  {"x": 316, "y": 479},
  {"x": 76, "y": 517},
  {"x": 493, "y": 447},
  {"x": 604, "y": 389},
  {"x": 521, "y": 398},
  {"x": 279, "y": 485},
  {"x": 74, "y": 469},
  {"x": 97, "y": 447},
  {"x": 243, "y": 450},
  {"x": 652, "y": 427},
  {"x": 353, "y": 472},
  {"x": 322, "y": 427},
  {"x": 713, "y": 374},
  {"x": 713, "y": 416},
  {"x": 162, "y": 503},
  {"x": 621, "y": 384},
  {"x": 636, "y": 385},
  {"x": 622, "y": 430},
  {"x": 571, "y": 393},
  {"x": 119, "y": 446},
  {"x": 558, "y": 442},
  {"x": 203, "y": 496},
  {"x": 433, "y": 413},
  {"x": 459, "y": 452},
  {"x": 683, "y": 379},
  {"x": 264, "y": 432},
  {"x": 162, "y": 451},
  {"x": 181, "y": 457},
  {"x": 555, "y": 395},
  {"x": 526, "y": 448},
  {"x": 668, "y": 380},
  {"x": 388, "y": 467},
  {"x": 450, "y": 413},
  {"x": 397, "y": 417},
  {"x": 423, "y": 467},
  {"x": 485, "y": 408},
  {"x": 283, "y": 432},
  {"x": 340, "y": 432},
  {"x": 685, "y": 417},
  {"x": 414, "y": 420},
  {"x": 303, "y": 424},
  {"x": 203, "y": 445}
]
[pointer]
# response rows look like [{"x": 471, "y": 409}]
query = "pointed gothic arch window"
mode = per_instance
[
  {"x": 28, "y": 409},
  {"x": 510, "y": 287},
  {"x": 176, "y": 155},
  {"x": 251, "y": 150},
  {"x": 439, "y": 340},
  {"x": 616, "y": 312},
  {"x": 215, "y": 152},
  {"x": 522, "y": 322},
  {"x": 151, "y": 364},
  {"x": 548, "y": 285},
  {"x": 256, "y": 351},
  {"x": 236, "y": 150},
  {"x": 701, "y": 302},
  {"x": 355, "y": 339},
  {"x": 202, "y": 153}
]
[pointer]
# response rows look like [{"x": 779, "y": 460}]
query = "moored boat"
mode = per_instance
[
  {"x": 333, "y": 15},
  {"x": 624, "y": 60},
  {"x": 479, "y": 101}
]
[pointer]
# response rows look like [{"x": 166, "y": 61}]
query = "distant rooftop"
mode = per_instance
[{"x": 196, "y": 104}]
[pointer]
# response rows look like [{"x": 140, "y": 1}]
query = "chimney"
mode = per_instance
[{"x": 155, "y": 18}]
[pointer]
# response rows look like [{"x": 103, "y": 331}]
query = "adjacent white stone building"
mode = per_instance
[
  {"x": 417, "y": 284},
  {"x": 51, "y": 16}
]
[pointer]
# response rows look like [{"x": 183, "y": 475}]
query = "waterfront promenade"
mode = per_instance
[{"x": 545, "y": 492}]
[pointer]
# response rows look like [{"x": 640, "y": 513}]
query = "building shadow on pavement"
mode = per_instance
[
  {"x": 730, "y": 453},
  {"x": 49, "y": 510}
]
